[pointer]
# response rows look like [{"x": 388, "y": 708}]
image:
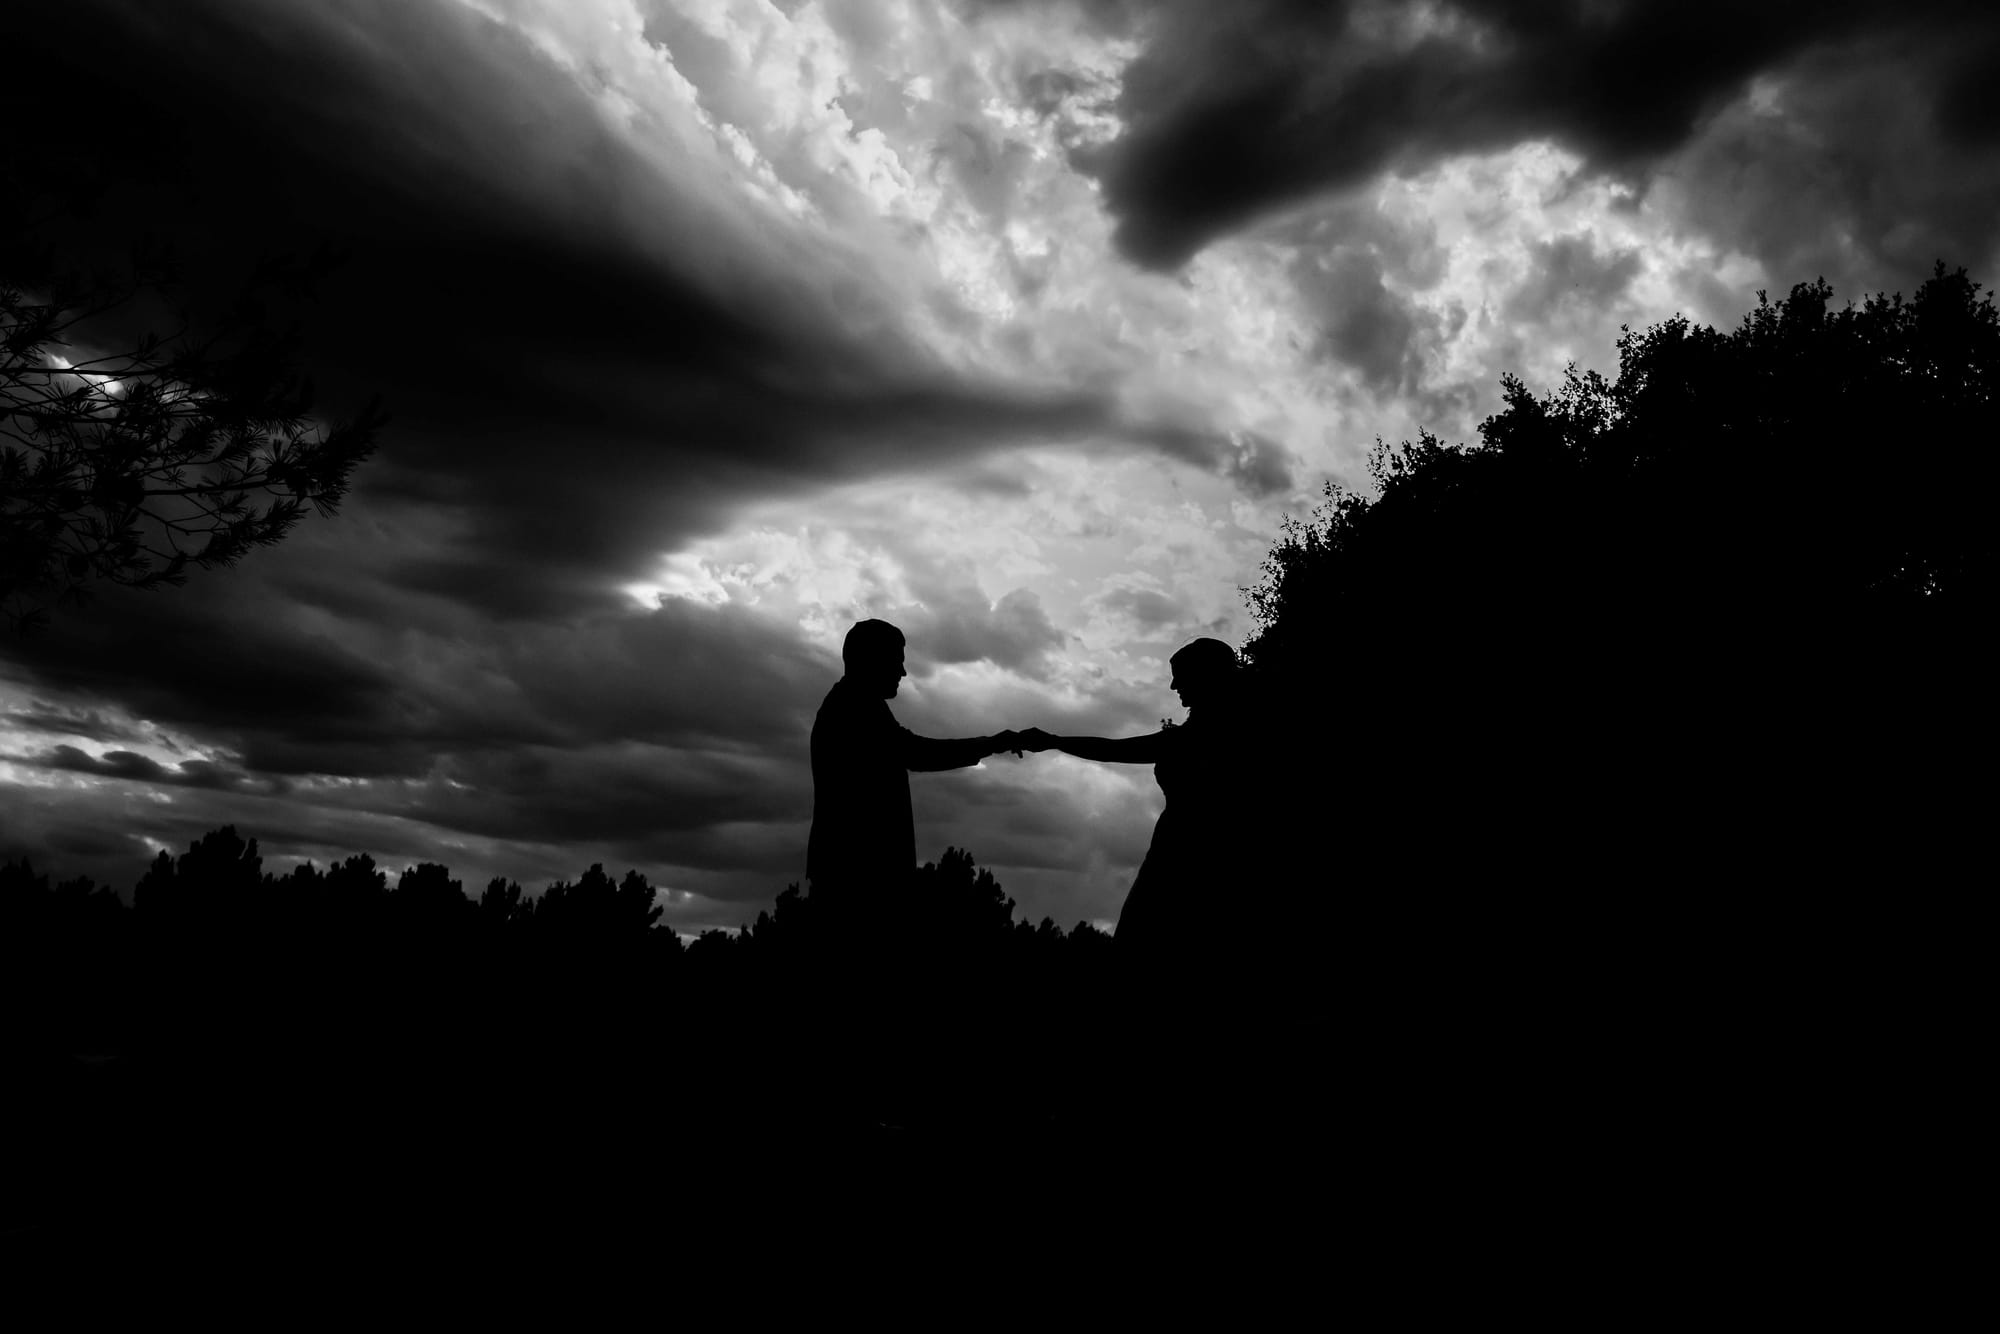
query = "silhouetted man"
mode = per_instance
[
  {"x": 863, "y": 848},
  {"x": 867, "y": 1046}
]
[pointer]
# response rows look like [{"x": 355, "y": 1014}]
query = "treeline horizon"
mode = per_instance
[
  {"x": 594, "y": 896},
  {"x": 486, "y": 1052},
  {"x": 79, "y": 956}
]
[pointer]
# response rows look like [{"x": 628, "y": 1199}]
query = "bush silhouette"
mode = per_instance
[{"x": 1695, "y": 614}]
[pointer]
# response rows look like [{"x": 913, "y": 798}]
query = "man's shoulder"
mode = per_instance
[{"x": 844, "y": 706}]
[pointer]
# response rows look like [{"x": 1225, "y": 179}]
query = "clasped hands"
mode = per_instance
[{"x": 1032, "y": 739}]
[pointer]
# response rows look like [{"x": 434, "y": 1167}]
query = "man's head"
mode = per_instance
[
  {"x": 1203, "y": 669},
  {"x": 873, "y": 654}
]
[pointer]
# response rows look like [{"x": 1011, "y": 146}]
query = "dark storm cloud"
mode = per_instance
[
  {"x": 1351, "y": 266},
  {"x": 1571, "y": 270},
  {"x": 1259, "y": 465},
  {"x": 1233, "y": 110},
  {"x": 66, "y": 839},
  {"x": 107, "y": 837},
  {"x": 1146, "y": 608},
  {"x": 1147, "y": 614},
  {"x": 235, "y": 667},
  {"x": 673, "y": 739},
  {"x": 587, "y": 364},
  {"x": 1853, "y": 172},
  {"x": 685, "y": 674},
  {"x": 113, "y": 763},
  {"x": 956, "y": 624},
  {"x": 615, "y": 795},
  {"x": 1968, "y": 103},
  {"x": 987, "y": 166},
  {"x": 292, "y": 694},
  {"x": 1363, "y": 324},
  {"x": 96, "y": 724},
  {"x": 142, "y": 768},
  {"x": 587, "y": 359},
  {"x": 1114, "y": 17}
]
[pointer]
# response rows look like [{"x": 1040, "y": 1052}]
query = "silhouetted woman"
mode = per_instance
[{"x": 1203, "y": 842}]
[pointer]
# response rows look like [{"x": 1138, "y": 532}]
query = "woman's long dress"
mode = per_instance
[{"x": 1202, "y": 843}]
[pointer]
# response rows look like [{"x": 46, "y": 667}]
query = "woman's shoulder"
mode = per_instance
[{"x": 1237, "y": 734}]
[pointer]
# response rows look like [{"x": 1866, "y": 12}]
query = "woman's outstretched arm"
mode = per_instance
[{"x": 1147, "y": 749}]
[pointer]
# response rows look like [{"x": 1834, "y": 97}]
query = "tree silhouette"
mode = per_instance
[
  {"x": 502, "y": 907},
  {"x": 1692, "y": 653},
  {"x": 954, "y": 900},
  {"x": 597, "y": 907},
  {"x": 130, "y": 450},
  {"x": 217, "y": 882},
  {"x": 1807, "y": 461},
  {"x": 318, "y": 1050}
]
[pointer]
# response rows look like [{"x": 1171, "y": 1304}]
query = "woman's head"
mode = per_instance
[{"x": 1203, "y": 669}]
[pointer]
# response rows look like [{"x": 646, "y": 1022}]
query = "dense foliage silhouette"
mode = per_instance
[
  {"x": 1639, "y": 787},
  {"x": 397, "y": 1032},
  {"x": 1720, "y": 609}
]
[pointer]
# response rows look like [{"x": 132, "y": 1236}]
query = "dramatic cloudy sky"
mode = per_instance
[{"x": 710, "y": 326}]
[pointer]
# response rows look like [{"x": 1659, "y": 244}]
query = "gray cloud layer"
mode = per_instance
[
  {"x": 589, "y": 361},
  {"x": 586, "y": 362},
  {"x": 1234, "y": 110},
  {"x": 588, "y": 366}
]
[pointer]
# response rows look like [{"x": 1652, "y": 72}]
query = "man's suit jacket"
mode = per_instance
[{"x": 863, "y": 833}]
